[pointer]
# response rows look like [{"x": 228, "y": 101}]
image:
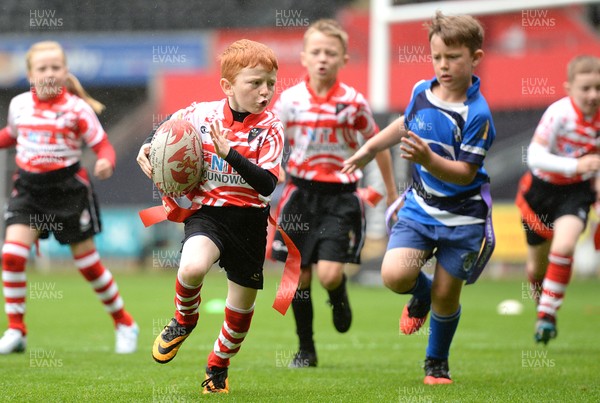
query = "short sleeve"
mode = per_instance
[
  {"x": 365, "y": 122},
  {"x": 478, "y": 137},
  {"x": 90, "y": 128}
]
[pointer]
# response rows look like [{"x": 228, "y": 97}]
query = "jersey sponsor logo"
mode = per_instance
[
  {"x": 221, "y": 172},
  {"x": 219, "y": 164}
]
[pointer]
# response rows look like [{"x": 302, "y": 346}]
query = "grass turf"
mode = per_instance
[{"x": 493, "y": 358}]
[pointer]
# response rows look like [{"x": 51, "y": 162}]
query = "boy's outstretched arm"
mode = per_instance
[
  {"x": 384, "y": 162},
  {"x": 386, "y": 138}
]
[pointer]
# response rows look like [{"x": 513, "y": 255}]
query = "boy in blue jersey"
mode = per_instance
[{"x": 446, "y": 132}]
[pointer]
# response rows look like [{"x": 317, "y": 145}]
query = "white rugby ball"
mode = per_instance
[
  {"x": 176, "y": 157},
  {"x": 510, "y": 307}
]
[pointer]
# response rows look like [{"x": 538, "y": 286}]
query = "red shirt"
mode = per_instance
[
  {"x": 565, "y": 132},
  {"x": 259, "y": 138},
  {"x": 322, "y": 132},
  {"x": 50, "y": 133}
]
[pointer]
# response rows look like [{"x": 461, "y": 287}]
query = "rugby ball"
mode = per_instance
[
  {"x": 176, "y": 157},
  {"x": 510, "y": 307}
]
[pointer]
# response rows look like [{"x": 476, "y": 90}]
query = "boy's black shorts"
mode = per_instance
[
  {"x": 550, "y": 202},
  {"x": 61, "y": 201},
  {"x": 326, "y": 221},
  {"x": 240, "y": 233}
]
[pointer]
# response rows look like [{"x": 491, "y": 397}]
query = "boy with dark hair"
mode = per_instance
[{"x": 446, "y": 132}]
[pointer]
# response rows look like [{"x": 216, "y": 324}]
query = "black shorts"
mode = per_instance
[
  {"x": 240, "y": 233},
  {"x": 61, "y": 202},
  {"x": 550, "y": 202},
  {"x": 326, "y": 221}
]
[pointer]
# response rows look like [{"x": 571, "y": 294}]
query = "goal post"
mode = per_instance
[{"x": 383, "y": 14}]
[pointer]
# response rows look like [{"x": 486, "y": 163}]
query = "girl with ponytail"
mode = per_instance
[{"x": 52, "y": 192}]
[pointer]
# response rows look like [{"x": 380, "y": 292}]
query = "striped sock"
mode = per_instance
[
  {"x": 187, "y": 302},
  {"x": 442, "y": 332},
  {"x": 104, "y": 285},
  {"x": 233, "y": 332},
  {"x": 554, "y": 285},
  {"x": 14, "y": 281}
]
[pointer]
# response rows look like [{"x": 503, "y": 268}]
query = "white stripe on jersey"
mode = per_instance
[
  {"x": 445, "y": 217},
  {"x": 323, "y": 132},
  {"x": 221, "y": 184},
  {"x": 563, "y": 132}
]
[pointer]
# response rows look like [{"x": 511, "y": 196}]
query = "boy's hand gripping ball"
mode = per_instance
[{"x": 176, "y": 157}]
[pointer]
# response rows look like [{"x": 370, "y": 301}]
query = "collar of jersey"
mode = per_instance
[
  {"x": 56, "y": 100},
  {"x": 249, "y": 121},
  {"x": 329, "y": 94},
  {"x": 582, "y": 120},
  {"x": 472, "y": 91}
]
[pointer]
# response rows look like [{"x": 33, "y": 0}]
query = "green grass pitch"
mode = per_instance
[{"x": 493, "y": 358}]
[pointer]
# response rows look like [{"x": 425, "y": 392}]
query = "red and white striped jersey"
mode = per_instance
[
  {"x": 51, "y": 133},
  {"x": 564, "y": 131},
  {"x": 259, "y": 139},
  {"x": 322, "y": 132}
]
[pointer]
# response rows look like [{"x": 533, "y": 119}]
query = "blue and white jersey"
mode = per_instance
[{"x": 458, "y": 132}]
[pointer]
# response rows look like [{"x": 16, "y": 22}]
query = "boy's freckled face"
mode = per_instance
[
  {"x": 323, "y": 56},
  {"x": 453, "y": 65},
  {"x": 252, "y": 89},
  {"x": 585, "y": 92}
]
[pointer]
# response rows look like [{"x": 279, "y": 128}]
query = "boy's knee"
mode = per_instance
[
  {"x": 330, "y": 279},
  {"x": 397, "y": 280},
  {"x": 445, "y": 302},
  {"x": 192, "y": 272}
]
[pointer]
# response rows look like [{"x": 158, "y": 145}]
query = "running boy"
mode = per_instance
[
  {"x": 446, "y": 131},
  {"x": 231, "y": 226},
  {"x": 52, "y": 193},
  {"x": 556, "y": 195},
  {"x": 319, "y": 208}
]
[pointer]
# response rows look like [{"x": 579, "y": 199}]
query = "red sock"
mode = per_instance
[
  {"x": 233, "y": 332},
  {"x": 555, "y": 284},
  {"x": 14, "y": 259},
  {"x": 187, "y": 302},
  {"x": 104, "y": 285}
]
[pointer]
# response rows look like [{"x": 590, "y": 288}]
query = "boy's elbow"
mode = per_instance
[
  {"x": 466, "y": 180},
  {"x": 468, "y": 176}
]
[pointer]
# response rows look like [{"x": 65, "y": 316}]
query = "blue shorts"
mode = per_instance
[{"x": 456, "y": 248}]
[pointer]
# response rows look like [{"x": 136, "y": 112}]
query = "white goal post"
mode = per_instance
[{"x": 383, "y": 14}]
